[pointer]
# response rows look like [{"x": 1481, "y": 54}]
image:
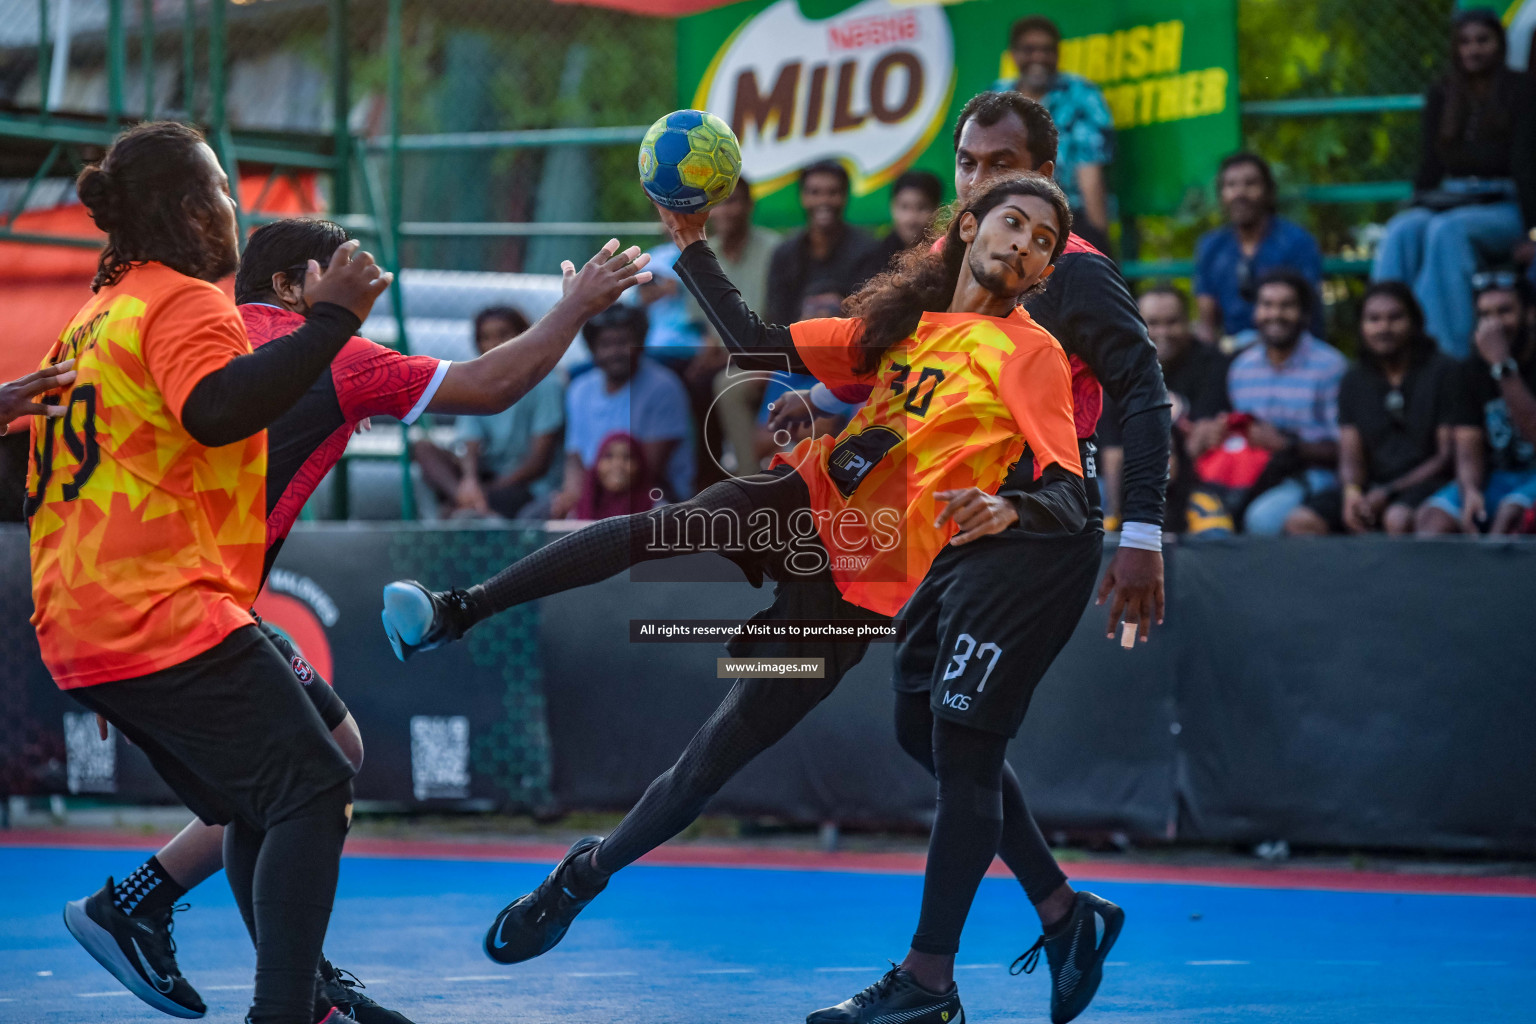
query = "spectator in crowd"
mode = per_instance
[
  {"x": 1495, "y": 432},
  {"x": 1287, "y": 387},
  {"x": 1196, "y": 376},
  {"x": 616, "y": 483},
  {"x": 1396, "y": 408},
  {"x": 827, "y": 248},
  {"x": 1086, "y": 140},
  {"x": 1230, "y": 260},
  {"x": 915, "y": 198},
  {"x": 504, "y": 461},
  {"x": 630, "y": 393},
  {"x": 1475, "y": 194}
]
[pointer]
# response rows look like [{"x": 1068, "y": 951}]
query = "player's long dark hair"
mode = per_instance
[
  {"x": 924, "y": 278},
  {"x": 143, "y": 194},
  {"x": 284, "y": 247}
]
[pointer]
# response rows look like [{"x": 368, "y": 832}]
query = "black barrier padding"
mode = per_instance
[
  {"x": 1344, "y": 691},
  {"x": 491, "y": 679},
  {"x": 1362, "y": 692}
]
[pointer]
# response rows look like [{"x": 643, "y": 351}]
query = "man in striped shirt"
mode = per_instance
[{"x": 1289, "y": 384}]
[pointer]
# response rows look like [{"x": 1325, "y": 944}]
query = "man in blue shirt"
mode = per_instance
[
  {"x": 629, "y": 393},
  {"x": 1230, "y": 260},
  {"x": 1084, "y": 125}
]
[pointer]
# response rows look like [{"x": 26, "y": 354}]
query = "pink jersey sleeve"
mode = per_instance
[{"x": 372, "y": 380}]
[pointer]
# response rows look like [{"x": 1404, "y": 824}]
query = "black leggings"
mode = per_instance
[
  {"x": 284, "y": 881},
  {"x": 754, "y": 715},
  {"x": 714, "y": 518},
  {"x": 1020, "y": 844}
]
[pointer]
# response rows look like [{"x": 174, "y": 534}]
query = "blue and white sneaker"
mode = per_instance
[
  {"x": 138, "y": 951},
  {"x": 1076, "y": 950},
  {"x": 418, "y": 619}
]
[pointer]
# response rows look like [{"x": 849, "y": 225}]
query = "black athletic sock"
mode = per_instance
[
  {"x": 966, "y": 828},
  {"x": 147, "y": 890},
  {"x": 608, "y": 547},
  {"x": 1022, "y": 847},
  {"x": 294, "y": 888},
  {"x": 583, "y": 879}
]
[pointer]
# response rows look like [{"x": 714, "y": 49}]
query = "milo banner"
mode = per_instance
[{"x": 876, "y": 86}]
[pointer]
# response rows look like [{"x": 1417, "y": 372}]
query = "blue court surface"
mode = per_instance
[{"x": 677, "y": 944}]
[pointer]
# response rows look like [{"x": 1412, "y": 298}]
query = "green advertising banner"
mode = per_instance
[{"x": 877, "y": 84}]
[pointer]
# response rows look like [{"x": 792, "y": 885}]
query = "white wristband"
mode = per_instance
[
  {"x": 824, "y": 401},
  {"x": 1142, "y": 536}
]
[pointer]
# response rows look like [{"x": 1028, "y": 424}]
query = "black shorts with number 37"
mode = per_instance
[{"x": 988, "y": 620}]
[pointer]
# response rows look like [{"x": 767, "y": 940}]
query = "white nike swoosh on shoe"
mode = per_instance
[
  {"x": 162, "y": 984},
  {"x": 501, "y": 927},
  {"x": 1098, "y": 929}
]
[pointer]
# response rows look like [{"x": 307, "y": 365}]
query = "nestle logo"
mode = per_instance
[{"x": 876, "y": 31}]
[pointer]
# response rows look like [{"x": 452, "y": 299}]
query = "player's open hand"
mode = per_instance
[
  {"x": 16, "y": 398},
  {"x": 976, "y": 513},
  {"x": 605, "y": 277},
  {"x": 352, "y": 280},
  {"x": 685, "y": 228},
  {"x": 1135, "y": 578}
]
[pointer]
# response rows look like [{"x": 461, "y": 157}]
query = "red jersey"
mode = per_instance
[{"x": 365, "y": 379}]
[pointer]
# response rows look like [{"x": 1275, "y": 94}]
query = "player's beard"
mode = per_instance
[
  {"x": 221, "y": 263},
  {"x": 989, "y": 275}
]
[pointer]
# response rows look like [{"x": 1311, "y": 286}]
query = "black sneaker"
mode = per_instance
[
  {"x": 534, "y": 924},
  {"x": 341, "y": 989},
  {"x": 1076, "y": 950},
  {"x": 418, "y": 619},
  {"x": 139, "y": 951},
  {"x": 896, "y": 998}
]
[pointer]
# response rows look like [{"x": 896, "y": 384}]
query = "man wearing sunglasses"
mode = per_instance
[{"x": 1495, "y": 432}]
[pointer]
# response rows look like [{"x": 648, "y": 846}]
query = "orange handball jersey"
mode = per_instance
[
  {"x": 146, "y": 546},
  {"x": 953, "y": 406}
]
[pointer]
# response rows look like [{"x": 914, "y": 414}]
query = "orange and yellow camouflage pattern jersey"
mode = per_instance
[
  {"x": 953, "y": 406},
  {"x": 146, "y": 546}
]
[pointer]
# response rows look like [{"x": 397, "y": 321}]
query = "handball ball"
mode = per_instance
[{"x": 689, "y": 161}]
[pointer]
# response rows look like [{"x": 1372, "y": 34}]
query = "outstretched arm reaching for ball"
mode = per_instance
[
  {"x": 757, "y": 345},
  {"x": 499, "y": 378}
]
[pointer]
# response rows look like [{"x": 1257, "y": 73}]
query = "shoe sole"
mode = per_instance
[
  {"x": 407, "y": 613},
  {"x": 98, "y": 942}
]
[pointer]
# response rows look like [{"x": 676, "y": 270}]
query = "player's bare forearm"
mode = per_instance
[{"x": 501, "y": 376}]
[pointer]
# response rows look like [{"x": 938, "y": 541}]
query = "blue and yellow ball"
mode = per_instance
[{"x": 689, "y": 160}]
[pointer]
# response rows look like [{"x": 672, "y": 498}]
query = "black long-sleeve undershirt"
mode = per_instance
[
  {"x": 1089, "y": 309},
  {"x": 1057, "y": 506},
  {"x": 757, "y": 345},
  {"x": 250, "y": 392}
]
